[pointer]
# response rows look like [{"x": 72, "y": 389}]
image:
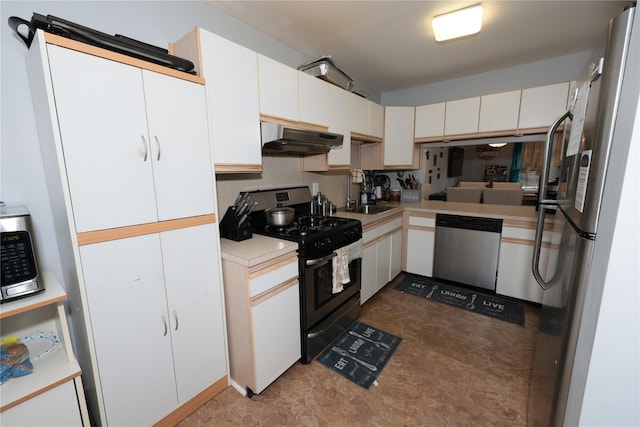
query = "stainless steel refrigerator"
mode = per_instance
[{"x": 591, "y": 140}]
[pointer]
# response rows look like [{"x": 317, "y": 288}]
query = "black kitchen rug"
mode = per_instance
[
  {"x": 509, "y": 311},
  {"x": 360, "y": 353}
]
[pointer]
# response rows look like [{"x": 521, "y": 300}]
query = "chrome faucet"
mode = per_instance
[{"x": 352, "y": 202}]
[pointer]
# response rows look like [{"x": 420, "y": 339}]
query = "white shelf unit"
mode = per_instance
[{"x": 29, "y": 316}]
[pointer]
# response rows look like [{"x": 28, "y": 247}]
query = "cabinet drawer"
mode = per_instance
[
  {"x": 420, "y": 221},
  {"x": 381, "y": 230},
  {"x": 273, "y": 278}
]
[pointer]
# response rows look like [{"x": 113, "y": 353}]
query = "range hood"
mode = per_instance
[{"x": 281, "y": 140}]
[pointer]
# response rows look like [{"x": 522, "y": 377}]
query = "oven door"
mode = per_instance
[{"x": 318, "y": 298}]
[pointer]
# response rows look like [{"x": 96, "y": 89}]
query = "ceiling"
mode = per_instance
[{"x": 389, "y": 45}]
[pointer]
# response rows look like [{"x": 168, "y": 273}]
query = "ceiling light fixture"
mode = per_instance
[
  {"x": 498, "y": 144},
  {"x": 459, "y": 23}
]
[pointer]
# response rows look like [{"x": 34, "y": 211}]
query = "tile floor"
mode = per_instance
[{"x": 453, "y": 368}]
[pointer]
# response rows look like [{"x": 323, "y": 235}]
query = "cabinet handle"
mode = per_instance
[
  {"x": 164, "y": 322},
  {"x": 175, "y": 317},
  {"x": 146, "y": 151},
  {"x": 158, "y": 145}
]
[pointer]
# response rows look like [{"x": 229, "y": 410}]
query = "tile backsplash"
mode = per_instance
[{"x": 280, "y": 172}]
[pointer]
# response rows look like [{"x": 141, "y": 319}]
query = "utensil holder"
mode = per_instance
[{"x": 231, "y": 228}]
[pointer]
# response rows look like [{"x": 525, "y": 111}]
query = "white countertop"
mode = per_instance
[
  {"x": 255, "y": 250},
  {"x": 260, "y": 248}
]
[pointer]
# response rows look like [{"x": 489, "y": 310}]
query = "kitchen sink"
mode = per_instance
[{"x": 368, "y": 209}]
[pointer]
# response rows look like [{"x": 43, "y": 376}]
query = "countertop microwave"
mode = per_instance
[{"x": 19, "y": 265}]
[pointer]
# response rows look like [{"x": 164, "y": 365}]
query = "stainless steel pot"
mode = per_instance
[{"x": 279, "y": 216}]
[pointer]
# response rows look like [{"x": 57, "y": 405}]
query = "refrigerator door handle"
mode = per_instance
[
  {"x": 548, "y": 156},
  {"x": 537, "y": 245}
]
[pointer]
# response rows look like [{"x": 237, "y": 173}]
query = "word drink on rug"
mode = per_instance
[
  {"x": 360, "y": 353},
  {"x": 508, "y": 311}
]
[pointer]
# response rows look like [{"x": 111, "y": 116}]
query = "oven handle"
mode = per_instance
[{"x": 320, "y": 260}]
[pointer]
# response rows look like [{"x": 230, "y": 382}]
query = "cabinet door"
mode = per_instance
[
  {"x": 396, "y": 254},
  {"x": 515, "y": 278},
  {"x": 499, "y": 111},
  {"x": 376, "y": 120},
  {"x": 420, "y": 252},
  {"x": 180, "y": 153},
  {"x": 194, "y": 295},
  {"x": 278, "y": 89},
  {"x": 398, "y": 136},
  {"x": 383, "y": 265},
  {"x": 56, "y": 407},
  {"x": 232, "y": 96},
  {"x": 429, "y": 120},
  {"x": 313, "y": 99},
  {"x": 103, "y": 127},
  {"x": 359, "y": 114},
  {"x": 127, "y": 303},
  {"x": 540, "y": 106},
  {"x": 339, "y": 122},
  {"x": 461, "y": 116},
  {"x": 369, "y": 272},
  {"x": 276, "y": 334}
]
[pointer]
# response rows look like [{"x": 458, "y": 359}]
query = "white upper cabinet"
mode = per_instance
[
  {"x": 339, "y": 123},
  {"x": 376, "y": 120},
  {"x": 180, "y": 149},
  {"x": 367, "y": 118},
  {"x": 313, "y": 100},
  {"x": 398, "y": 136},
  {"x": 359, "y": 114},
  {"x": 430, "y": 120},
  {"x": 540, "y": 106},
  {"x": 461, "y": 116},
  {"x": 278, "y": 85},
  {"x": 232, "y": 98},
  {"x": 147, "y": 131},
  {"x": 499, "y": 111}
]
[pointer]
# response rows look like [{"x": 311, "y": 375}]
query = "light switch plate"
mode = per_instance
[{"x": 315, "y": 187}]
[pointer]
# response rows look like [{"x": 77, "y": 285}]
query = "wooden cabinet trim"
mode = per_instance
[
  {"x": 271, "y": 265},
  {"x": 294, "y": 123},
  {"x": 260, "y": 298},
  {"x": 191, "y": 405},
  {"x": 525, "y": 242},
  {"x": 90, "y": 237},
  {"x": 118, "y": 57},
  {"x": 375, "y": 224},
  {"x": 237, "y": 168}
]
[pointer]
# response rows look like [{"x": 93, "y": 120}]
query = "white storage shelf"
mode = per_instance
[{"x": 31, "y": 315}]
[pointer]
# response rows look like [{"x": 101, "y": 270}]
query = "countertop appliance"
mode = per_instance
[
  {"x": 324, "y": 313},
  {"x": 601, "y": 119},
  {"x": 20, "y": 275},
  {"x": 280, "y": 140},
  {"x": 467, "y": 250}
]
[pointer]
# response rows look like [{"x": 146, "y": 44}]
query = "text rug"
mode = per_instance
[
  {"x": 360, "y": 353},
  {"x": 509, "y": 311}
]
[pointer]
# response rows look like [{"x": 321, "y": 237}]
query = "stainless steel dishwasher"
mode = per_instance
[{"x": 466, "y": 250}]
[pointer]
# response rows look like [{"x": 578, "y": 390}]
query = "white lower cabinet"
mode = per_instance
[
  {"x": 157, "y": 322},
  {"x": 420, "y": 229},
  {"x": 515, "y": 278},
  {"x": 56, "y": 407},
  {"x": 263, "y": 320},
  {"x": 380, "y": 262},
  {"x": 276, "y": 327}
]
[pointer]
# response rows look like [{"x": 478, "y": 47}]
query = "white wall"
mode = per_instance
[{"x": 540, "y": 73}]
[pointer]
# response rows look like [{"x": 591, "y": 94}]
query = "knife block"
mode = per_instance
[{"x": 230, "y": 228}]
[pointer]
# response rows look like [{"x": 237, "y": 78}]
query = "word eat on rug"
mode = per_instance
[
  {"x": 360, "y": 353},
  {"x": 509, "y": 311}
]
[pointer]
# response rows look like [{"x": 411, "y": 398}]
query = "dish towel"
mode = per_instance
[{"x": 341, "y": 262}]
